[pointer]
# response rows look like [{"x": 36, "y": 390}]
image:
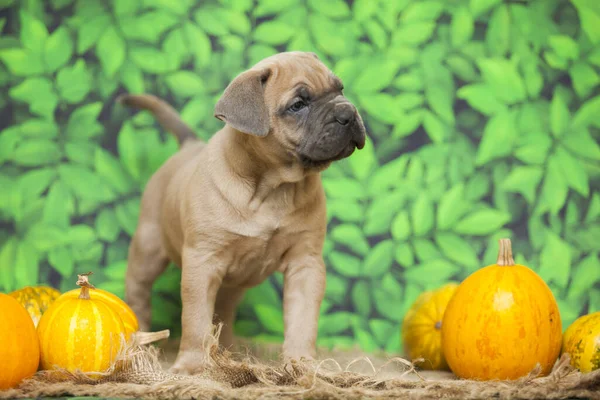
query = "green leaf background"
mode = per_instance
[{"x": 483, "y": 122}]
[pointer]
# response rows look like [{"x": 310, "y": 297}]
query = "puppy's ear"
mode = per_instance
[{"x": 243, "y": 103}]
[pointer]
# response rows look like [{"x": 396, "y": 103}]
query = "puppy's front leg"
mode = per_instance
[
  {"x": 303, "y": 291},
  {"x": 201, "y": 277}
]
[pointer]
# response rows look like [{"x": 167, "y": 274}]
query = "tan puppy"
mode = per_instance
[{"x": 246, "y": 204}]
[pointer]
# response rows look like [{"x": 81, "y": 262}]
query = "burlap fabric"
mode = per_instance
[{"x": 139, "y": 374}]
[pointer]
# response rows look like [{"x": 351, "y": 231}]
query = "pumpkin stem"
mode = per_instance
[
  {"x": 505, "y": 256},
  {"x": 84, "y": 282}
]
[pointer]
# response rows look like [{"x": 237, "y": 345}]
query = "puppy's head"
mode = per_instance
[{"x": 295, "y": 103}]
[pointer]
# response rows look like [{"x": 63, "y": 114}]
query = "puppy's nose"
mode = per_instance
[
  {"x": 359, "y": 139},
  {"x": 344, "y": 114}
]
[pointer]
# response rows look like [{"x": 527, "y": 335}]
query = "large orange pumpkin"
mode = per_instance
[
  {"x": 125, "y": 312},
  {"x": 19, "y": 347},
  {"x": 502, "y": 321},
  {"x": 422, "y": 327},
  {"x": 36, "y": 300},
  {"x": 80, "y": 333},
  {"x": 582, "y": 342}
]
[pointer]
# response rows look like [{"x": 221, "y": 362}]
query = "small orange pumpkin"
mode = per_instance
[
  {"x": 82, "y": 333},
  {"x": 502, "y": 321},
  {"x": 422, "y": 327},
  {"x": 36, "y": 300},
  {"x": 19, "y": 346},
  {"x": 582, "y": 342},
  {"x": 125, "y": 312}
]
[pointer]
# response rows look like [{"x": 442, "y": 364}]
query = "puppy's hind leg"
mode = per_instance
[
  {"x": 225, "y": 310},
  {"x": 147, "y": 260}
]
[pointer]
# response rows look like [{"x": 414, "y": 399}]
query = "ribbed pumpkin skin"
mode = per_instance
[
  {"x": 500, "y": 323},
  {"x": 36, "y": 300},
  {"x": 127, "y": 315},
  {"x": 19, "y": 346},
  {"x": 80, "y": 334},
  {"x": 582, "y": 341},
  {"x": 421, "y": 328}
]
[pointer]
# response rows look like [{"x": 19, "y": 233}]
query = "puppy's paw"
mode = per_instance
[
  {"x": 189, "y": 363},
  {"x": 189, "y": 369},
  {"x": 301, "y": 357}
]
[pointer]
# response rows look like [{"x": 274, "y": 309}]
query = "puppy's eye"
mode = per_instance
[{"x": 297, "y": 106}]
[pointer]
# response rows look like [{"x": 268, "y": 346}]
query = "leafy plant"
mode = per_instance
[{"x": 482, "y": 121}]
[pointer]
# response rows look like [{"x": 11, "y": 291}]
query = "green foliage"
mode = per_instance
[{"x": 482, "y": 118}]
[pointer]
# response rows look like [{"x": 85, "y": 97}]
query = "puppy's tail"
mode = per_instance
[{"x": 166, "y": 115}]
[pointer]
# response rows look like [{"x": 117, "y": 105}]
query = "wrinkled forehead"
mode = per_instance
[{"x": 293, "y": 73}]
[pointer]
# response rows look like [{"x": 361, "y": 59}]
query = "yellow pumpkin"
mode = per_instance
[
  {"x": 422, "y": 327},
  {"x": 582, "y": 342},
  {"x": 19, "y": 347},
  {"x": 502, "y": 321},
  {"x": 125, "y": 312},
  {"x": 36, "y": 300},
  {"x": 80, "y": 333}
]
